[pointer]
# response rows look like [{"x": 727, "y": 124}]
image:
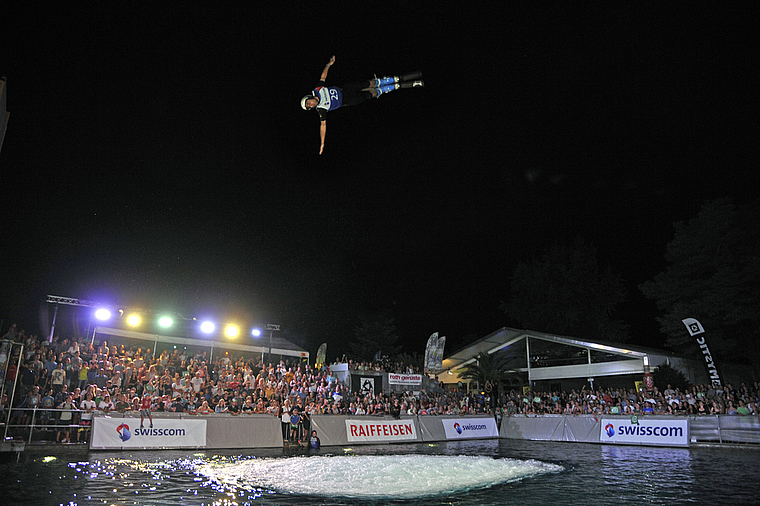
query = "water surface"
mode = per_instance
[{"x": 455, "y": 473}]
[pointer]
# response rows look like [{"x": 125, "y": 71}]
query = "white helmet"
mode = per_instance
[{"x": 303, "y": 101}]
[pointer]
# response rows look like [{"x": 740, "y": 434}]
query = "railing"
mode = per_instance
[
  {"x": 43, "y": 428},
  {"x": 38, "y": 427},
  {"x": 44, "y": 425},
  {"x": 585, "y": 428},
  {"x": 725, "y": 429}
]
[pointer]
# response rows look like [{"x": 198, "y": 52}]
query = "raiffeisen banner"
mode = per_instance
[
  {"x": 166, "y": 433},
  {"x": 464, "y": 428},
  {"x": 360, "y": 431},
  {"x": 653, "y": 432},
  {"x": 404, "y": 379}
]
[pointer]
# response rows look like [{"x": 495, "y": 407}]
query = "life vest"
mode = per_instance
[{"x": 330, "y": 97}]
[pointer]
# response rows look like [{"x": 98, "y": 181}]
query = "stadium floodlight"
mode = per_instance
[
  {"x": 255, "y": 332},
  {"x": 102, "y": 314},
  {"x": 165, "y": 321},
  {"x": 207, "y": 327},
  {"x": 231, "y": 331},
  {"x": 133, "y": 320}
]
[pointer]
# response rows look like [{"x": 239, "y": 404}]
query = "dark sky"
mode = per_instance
[{"x": 158, "y": 156}]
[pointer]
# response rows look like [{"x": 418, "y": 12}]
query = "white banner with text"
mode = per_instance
[
  {"x": 360, "y": 431},
  {"x": 405, "y": 379},
  {"x": 165, "y": 433},
  {"x": 656, "y": 432},
  {"x": 464, "y": 428}
]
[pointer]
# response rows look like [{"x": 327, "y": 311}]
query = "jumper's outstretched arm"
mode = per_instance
[
  {"x": 327, "y": 67},
  {"x": 322, "y": 132},
  {"x": 323, "y": 123}
]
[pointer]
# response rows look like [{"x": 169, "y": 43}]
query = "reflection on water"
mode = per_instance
[
  {"x": 457, "y": 473},
  {"x": 652, "y": 480}
]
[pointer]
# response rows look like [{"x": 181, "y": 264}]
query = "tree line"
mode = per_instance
[{"x": 712, "y": 274}]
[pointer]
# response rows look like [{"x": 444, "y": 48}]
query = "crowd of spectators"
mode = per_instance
[
  {"x": 697, "y": 400},
  {"x": 68, "y": 380},
  {"x": 61, "y": 384}
]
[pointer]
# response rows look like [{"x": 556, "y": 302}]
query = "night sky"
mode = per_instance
[{"x": 159, "y": 157}]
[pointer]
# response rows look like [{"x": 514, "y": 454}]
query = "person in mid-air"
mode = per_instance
[{"x": 328, "y": 98}]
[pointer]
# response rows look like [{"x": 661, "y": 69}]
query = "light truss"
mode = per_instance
[{"x": 69, "y": 301}]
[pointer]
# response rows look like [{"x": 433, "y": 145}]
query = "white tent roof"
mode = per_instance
[{"x": 631, "y": 361}]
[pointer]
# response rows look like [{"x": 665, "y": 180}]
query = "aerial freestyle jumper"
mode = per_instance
[{"x": 328, "y": 98}]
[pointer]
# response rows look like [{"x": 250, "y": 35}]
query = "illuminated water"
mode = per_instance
[
  {"x": 457, "y": 473},
  {"x": 370, "y": 476}
]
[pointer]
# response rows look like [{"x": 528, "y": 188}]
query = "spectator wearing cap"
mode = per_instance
[
  {"x": 295, "y": 422},
  {"x": 106, "y": 405},
  {"x": 100, "y": 378}
]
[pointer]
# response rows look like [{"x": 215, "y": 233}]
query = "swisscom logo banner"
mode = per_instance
[
  {"x": 656, "y": 432},
  {"x": 165, "y": 433},
  {"x": 463, "y": 428}
]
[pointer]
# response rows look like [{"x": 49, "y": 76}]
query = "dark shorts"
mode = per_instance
[{"x": 353, "y": 94}]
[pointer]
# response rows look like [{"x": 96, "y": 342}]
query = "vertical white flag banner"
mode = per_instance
[
  {"x": 321, "y": 356},
  {"x": 438, "y": 354},
  {"x": 696, "y": 329},
  {"x": 693, "y": 326},
  {"x": 430, "y": 349}
]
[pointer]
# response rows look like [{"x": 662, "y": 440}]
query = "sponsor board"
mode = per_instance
[
  {"x": 464, "y": 428},
  {"x": 361, "y": 431},
  {"x": 655, "y": 432},
  {"x": 366, "y": 384},
  {"x": 166, "y": 433},
  {"x": 405, "y": 379}
]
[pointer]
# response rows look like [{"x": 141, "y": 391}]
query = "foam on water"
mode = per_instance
[{"x": 397, "y": 476}]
